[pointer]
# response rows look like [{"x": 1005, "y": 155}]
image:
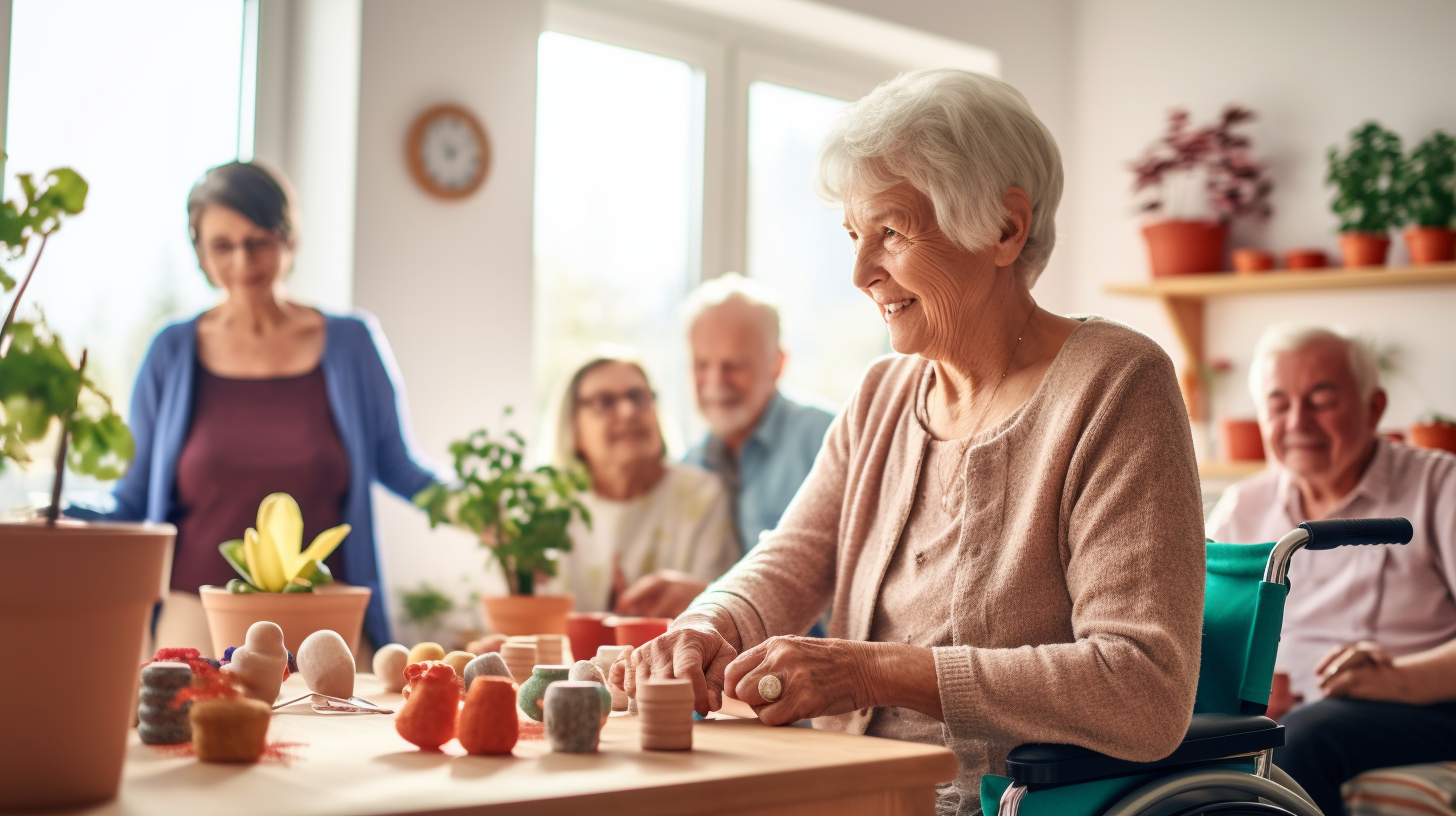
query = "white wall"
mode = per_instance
[
  {"x": 449, "y": 281},
  {"x": 1313, "y": 70}
]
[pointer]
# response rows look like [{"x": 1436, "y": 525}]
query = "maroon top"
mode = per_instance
[{"x": 250, "y": 438}]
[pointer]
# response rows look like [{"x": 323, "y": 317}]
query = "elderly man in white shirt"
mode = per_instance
[{"x": 1369, "y": 638}]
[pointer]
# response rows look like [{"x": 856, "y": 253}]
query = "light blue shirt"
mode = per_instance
[{"x": 771, "y": 466}]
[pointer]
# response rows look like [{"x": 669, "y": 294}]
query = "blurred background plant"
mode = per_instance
[
  {"x": 1364, "y": 177},
  {"x": 1200, "y": 172}
]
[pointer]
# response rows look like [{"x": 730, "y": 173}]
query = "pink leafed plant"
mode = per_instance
[{"x": 1234, "y": 183}]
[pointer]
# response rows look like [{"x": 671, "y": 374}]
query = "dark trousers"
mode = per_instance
[{"x": 1331, "y": 741}]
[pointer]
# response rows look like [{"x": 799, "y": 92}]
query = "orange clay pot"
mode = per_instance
[
  {"x": 299, "y": 614},
  {"x": 488, "y": 723},
  {"x": 1430, "y": 244},
  {"x": 1248, "y": 260},
  {"x": 528, "y": 614},
  {"x": 1363, "y": 248},
  {"x": 1437, "y": 435},
  {"x": 1242, "y": 441},
  {"x": 636, "y": 631},
  {"x": 1185, "y": 247},
  {"x": 428, "y": 716},
  {"x": 1306, "y": 259}
]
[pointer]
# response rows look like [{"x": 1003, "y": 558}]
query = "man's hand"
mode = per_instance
[
  {"x": 1363, "y": 671},
  {"x": 663, "y": 594}
]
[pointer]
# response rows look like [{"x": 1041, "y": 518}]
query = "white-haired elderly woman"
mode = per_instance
[
  {"x": 1005, "y": 520},
  {"x": 661, "y": 530}
]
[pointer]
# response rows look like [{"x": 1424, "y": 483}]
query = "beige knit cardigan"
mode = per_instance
[{"x": 1079, "y": 593}]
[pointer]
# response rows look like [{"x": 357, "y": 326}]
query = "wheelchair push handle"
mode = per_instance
[{"x": 1326, "y": 535}]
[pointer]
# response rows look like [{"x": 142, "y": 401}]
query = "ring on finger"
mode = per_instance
[{"x": 770, "y": 687}]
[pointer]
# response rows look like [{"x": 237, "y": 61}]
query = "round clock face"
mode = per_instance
[{"x": 448, "y": 152}]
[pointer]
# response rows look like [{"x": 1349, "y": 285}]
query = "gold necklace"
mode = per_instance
[{"x": 949, "y": 489}]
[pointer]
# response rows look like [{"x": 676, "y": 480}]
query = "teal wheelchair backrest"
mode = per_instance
[{"x": 1242, "y": 616}]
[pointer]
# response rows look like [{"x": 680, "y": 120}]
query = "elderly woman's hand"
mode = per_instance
[
  {"x": 819, "y": 676},
  {"x": 692, "y": 651}
]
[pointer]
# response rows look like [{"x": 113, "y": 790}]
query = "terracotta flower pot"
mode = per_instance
[
  {"x": 299, "y": 614},
  {"x": 1184, "y": 247},
  {"x": 528, "y": 614},
  {"x": 1248, "y": 260},
  {"x": 1364, "y": 248},
  {"x": 1438, "y": 435},
  {"x": 85, "y": 591},
  {"x": 637, "y": 631},
  {"x": 1306, "y": 259},
  {"x": 1242, "y": 441},
  {"x": 588, "y": 632},
  {"x": 1430, "y": 244}
]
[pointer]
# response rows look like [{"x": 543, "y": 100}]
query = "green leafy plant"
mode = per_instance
[
  {"x": 39, "y": 386},
  {"x": 271, "y": 556},
  {"x": 1364, "y": 178},
  {"x": 1426, "y": 186},
  {"x": 426, "y": 605},
  {"x": 520, "y": 514}
]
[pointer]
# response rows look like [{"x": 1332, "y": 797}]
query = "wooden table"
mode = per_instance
[{"x": 356, "y": 764}]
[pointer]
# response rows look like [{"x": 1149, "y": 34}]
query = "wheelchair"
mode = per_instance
[{"x": 1225, "y": 765}]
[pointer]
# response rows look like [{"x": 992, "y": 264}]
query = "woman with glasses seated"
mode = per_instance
[
  {"x": 261, "y": 395},
  {"x": 661, "y": 530}
]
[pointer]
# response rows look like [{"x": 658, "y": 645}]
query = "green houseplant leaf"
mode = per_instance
[
  {"x": 1364, "y": 177},
  {"x": 1426, "y": 187}
]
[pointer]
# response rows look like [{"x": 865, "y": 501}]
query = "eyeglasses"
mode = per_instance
[
  {"x": 252, "y": 247},
  {"x": 605, "y": 403}
]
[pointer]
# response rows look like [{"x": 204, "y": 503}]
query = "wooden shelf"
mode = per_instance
[
  {"x": 1230, "y": 470},
  {"x": 1183, "y": 297}
]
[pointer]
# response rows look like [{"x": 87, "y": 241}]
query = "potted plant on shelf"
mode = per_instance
[
  {"x": 1426, "y": 200},
  {"x": 1365, "y": 195},
  {"x": 425, "y": 609},
  {"x": 521, "y": 515},
  {"x": 66, "y": 587},
  {"x": 1434, "y": 430},
  {"x": 282, "y": 582},
  {"x": 1197, "y": 180}
]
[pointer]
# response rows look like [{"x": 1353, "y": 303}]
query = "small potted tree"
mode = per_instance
[
  {"x": 1426, "y": 200},
  {"x": 66, "y": 587},
  {"x": 1434, "y": 430},
  {"x": 1365, "y": 195},
  {"x": 521, "y": 515},
  {"x": 1196, "y": 181}
]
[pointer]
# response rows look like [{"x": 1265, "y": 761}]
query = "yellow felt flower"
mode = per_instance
[{"x": 274, "y": 550}]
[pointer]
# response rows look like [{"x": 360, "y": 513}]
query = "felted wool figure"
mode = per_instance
[
  {"x": 159, "y": 722},
  {"x": 429, "y": 714},
  {"x": 226, "y": 730},
  {"x": 490, "y": 664},
  {"x": 327, "y": 664},
  {"x": 426, "y": 651},
  {"x": 488, "y": 724},
  {"x": 389, "y": 664},
  {"x": 489, "y": 643},
  {"x": 261, "y": 663},
  {"x": 458, "y": 661}
]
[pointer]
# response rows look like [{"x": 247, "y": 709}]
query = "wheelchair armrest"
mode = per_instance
[{"x": 1210, "y": 737}]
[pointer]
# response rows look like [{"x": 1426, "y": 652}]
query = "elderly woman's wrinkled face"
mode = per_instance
[
  {"x": 238, "y": 255},
  {"x": 616, "y": 417},
  {"x": 921, "y": 281}
]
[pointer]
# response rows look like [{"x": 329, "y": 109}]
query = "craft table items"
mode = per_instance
[
  {"x": 489, "y": 643},
  {"x": 489, "y": 725},
  {"x": 326, "y": 664},
  {"x": 636, "y": 631},
  {"x": 588, "y": 632},
  {"x": 426, "y": 651},
  {"x": 388, "y": 664},
  {"x": 458, "y": 661},
  {"x": 520, "y": 657},
  {"x": 159, "y": 722},
  {"x": 666, "y": 709},
  {"x": 260, "y": 664},
  {"x": 230, "y": 730},
  {"x": 605, "y": 657},
  {"x": 574, "y": 717},
  {"x": 551, "y": 649},
  {"x": 487, "y": 665},
  {"x": 534, "y": 689},
  {"x": 586, "y": 672},
  {"x": 429, "y": 715}
]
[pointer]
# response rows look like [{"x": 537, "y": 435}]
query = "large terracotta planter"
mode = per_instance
[
  {"x": 528, "y": 614},
  {"x": 1185, "y": 247},
  {"x": 75, "y": 603},
  {"x": 1430, "y": 244},
  {"x": 1364, "y": 248},
  {"x": 1241, "y": 439},
  {"x": 299, "y": 614},
  {"x": 1438, "y": 435}
]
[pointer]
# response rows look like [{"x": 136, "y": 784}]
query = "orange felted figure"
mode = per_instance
[
  {"x": 428, "y": 717},
  {"x": 489, "y": 725}
]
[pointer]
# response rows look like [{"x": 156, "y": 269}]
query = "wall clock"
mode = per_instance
[{"x": 447, "y": 151}]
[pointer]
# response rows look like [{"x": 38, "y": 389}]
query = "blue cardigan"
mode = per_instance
[{"x": 367, "y": 401}]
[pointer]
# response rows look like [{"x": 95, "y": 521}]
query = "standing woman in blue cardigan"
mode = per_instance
[{"x": 262, "y": 395}]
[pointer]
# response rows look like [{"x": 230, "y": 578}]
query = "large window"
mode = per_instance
[{"x": 140, "y": 98}]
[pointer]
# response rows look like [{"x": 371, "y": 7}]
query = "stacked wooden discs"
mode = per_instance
[
  {"x": 552, "y": 649},
  {"x": 666, "y": 711},
  {"x": 520, "y": 657}
]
